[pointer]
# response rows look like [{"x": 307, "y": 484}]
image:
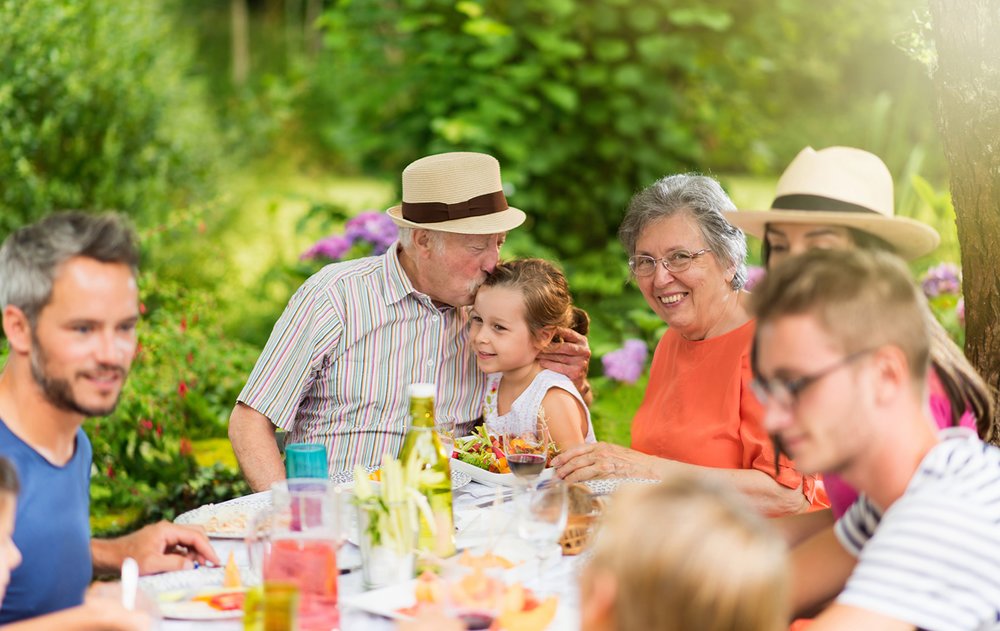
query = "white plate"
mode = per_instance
[
  {"x": 492, "y": 479},
  {"x": 180, "y": 606},
  {"x": 346, "y": 478},
  {"x": 386, "y": 601},
  {"x": 610, "y": 485},
  {"x": 227, "y": 516},
  {"x": 172, "y": 592}
]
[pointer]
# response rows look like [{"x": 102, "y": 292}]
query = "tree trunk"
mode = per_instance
[
  {"x": 967, "y": 86},
  {"x": 314, "y": 37},
  {"x": 240, "y": 40}
]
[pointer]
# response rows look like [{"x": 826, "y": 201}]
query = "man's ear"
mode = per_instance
[
  {"x": 423, "y": 240},
  {"x": 892, "y": 372},
  {"x": 17, "y": 328}
]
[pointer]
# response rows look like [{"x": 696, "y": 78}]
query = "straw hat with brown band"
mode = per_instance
[
  {"x": 455, "y": 192},
  {"x": 840, "y": 186}
]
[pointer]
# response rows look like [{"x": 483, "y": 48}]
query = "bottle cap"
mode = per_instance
[{"x": 421, "y": 390}]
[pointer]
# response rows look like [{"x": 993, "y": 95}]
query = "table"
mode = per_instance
[{"x": 470, "y": 502}]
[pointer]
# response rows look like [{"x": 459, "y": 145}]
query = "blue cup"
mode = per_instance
[{"x": 305, "y": 460}]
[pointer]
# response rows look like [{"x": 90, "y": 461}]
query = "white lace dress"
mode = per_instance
[{"x": 524, "y": 412}]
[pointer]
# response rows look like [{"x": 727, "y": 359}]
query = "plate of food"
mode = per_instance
[
  {"x": 607, "y": 486},
  {"x": 481, "y": 456},
  {"x": 221, "y": 603},
  {"x": 474, "y": 596},
  {"x": 202, "y": 594},
  {"x": 346, "y": 478},
  {"x": 227, "y": 520}
]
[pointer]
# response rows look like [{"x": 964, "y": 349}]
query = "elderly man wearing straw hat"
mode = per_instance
[{"x": 337, "y": 364}]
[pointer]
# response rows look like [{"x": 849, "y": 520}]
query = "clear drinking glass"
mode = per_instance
[
  {"x": 542, "y": 519},
  {"x": 293, "y": 545}
]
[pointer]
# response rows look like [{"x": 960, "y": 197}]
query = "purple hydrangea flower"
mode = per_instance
[
  {"x": 945, "y": 278},
  {"x": 960, "y": 311},
  {"x": 627, "y": 363},
  {"x": 755, "y": 274},
  {"x": 332, "y": 247},
  {"x": 375, "y": 228}
]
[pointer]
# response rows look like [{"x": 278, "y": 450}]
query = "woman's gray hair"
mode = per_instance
[
  {"x": 701, "y": 197},
  {"x": 30, "y": 257}
]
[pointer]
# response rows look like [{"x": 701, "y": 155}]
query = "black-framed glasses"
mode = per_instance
[
  {"x": 786, "y": 392},
  {"x": 675, "y": 262}
]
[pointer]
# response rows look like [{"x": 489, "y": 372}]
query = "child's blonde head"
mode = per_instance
[
  {"x": 682, "y": 555},
  {"x": 547, "y": 301}
]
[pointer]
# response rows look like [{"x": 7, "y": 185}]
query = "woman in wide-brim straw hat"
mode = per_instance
[
  {"x": 834, "y": 197},
  {"x": 842, "y": 197}
]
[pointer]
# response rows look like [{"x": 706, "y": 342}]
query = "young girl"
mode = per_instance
[
  {"x": 516, "y": 314},
  {"x": 684, "y": 554},
  {"x": 95, "y": 613}
]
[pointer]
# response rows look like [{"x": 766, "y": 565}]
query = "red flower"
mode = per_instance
[
  {"x": 159, "y": 430},
  {"x": 190, "y": 358},
  {"x": 182, "y": 389},
  {"x": 110, "y": 472},
  {"x": 142, "y": 308},
  {"x": 184, "y": 324},
  {"x": 186, "y": 446}
]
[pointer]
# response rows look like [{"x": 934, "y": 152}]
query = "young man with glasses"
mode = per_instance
[{"x": 841, "y": 357}]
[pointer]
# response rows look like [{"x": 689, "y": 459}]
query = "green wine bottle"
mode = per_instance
[{"x": 434, "y": 480}]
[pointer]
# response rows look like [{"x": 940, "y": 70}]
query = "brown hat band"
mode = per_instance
[
  {"x": 433, "y": 212},
  {"x": 819, "y": 203}
]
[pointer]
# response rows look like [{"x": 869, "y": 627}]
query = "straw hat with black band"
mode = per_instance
[
  {"x": 840, "y": 186},
  {"x": 455, "y": 192}
]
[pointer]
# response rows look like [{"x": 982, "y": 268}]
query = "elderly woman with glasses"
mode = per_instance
[{"x": 699, "y": 414}]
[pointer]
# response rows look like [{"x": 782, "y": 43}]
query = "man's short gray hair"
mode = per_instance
[
  {"x": 701, "y": 197},
  {"x": 31, "y": 256}
]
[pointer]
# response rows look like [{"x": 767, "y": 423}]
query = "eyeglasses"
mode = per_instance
[
  {"x": 786, "y": 392},
  {"x": 679, "y": 261}
]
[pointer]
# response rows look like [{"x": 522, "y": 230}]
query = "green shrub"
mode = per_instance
[
  {"x": 583, "y": 101},
  {"x": 95, "y": 111},
  {"x": 184, "y": 381}
]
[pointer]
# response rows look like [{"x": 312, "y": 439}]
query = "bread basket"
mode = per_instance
[{"x": 584, "y": 511}]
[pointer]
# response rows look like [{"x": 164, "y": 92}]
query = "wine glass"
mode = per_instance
[
  {"x": 542, "y": 518},
  {"x": 526, "y": 453},
  {"x": 445, "y": 430}
]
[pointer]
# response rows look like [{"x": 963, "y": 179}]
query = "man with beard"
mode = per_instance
[
  {"x": 70, "y": 306},
  {"x": 337, "y": 364},
  {"x": 842, "y": 357}
]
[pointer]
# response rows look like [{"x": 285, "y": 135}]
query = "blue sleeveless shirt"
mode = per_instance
[{"x": 51, "y": 529}]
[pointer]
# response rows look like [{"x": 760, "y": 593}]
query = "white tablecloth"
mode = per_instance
[{"x": 475, "y": 522}]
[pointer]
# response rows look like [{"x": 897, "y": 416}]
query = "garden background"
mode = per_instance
[{"x": 242, "y": 136}]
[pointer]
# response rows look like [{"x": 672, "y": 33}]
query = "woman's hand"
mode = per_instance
[{"x": 604, "y": 460}]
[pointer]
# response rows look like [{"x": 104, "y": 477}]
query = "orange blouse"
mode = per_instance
[{"x": 699, "y": 408}]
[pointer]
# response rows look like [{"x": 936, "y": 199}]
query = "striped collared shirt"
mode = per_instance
[{"x": 337, "y": 364}]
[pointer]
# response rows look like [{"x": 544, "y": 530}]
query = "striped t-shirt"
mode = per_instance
[
  {"x": 337, "y": 364},
  {"x": 933, "y": 558}
]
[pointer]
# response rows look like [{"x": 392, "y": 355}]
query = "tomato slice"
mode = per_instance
[{"x": 225, "y": 601}]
